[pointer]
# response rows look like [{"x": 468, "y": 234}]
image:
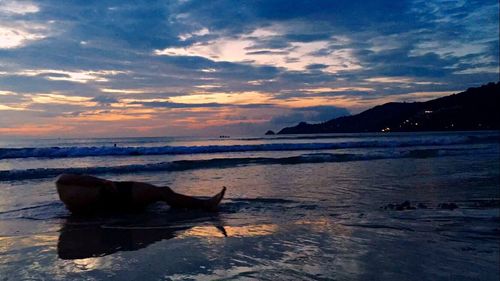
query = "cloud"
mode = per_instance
[
  {"x": 313, "y": 114},
  {"x": 139, "y": 63},
  {"x": 18, "y": 7},
  {"x": 402, "y": 80},
  {"x": 170, "y": 104},
  {"x": 167, "y": 104},
  {"x": 200, "y": 32},
  {"x": 105, "y": 100},
  {"x": 15, "y": 35},
  {"x": 16, "y": 30},
  {"x": 249, "y": 49},
  {"x": 56, "y": 99},
  {"x": 79, "y": 76}
]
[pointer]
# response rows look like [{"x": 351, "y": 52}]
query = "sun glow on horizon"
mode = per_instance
[{"x": 190, "y": 112}]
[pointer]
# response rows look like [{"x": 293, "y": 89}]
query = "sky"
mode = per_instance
[{"x": 187, "y": 68}]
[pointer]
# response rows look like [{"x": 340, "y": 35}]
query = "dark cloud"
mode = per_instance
[
  {"x": 270, "y": 43},
  {"x": 267, "y": 53},
  {"x": 317, "y": 66},
  {"x": 105, "y": 100},
  {"x": 39, "y": 84},
  {"x": 13, "y": 99},
  {"x": 122, "y": 35},
  {"x": 167, "y": 104},
  {"x": 314, "y": 114}
]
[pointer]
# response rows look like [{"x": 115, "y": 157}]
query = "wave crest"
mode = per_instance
[
  {"x": 67, "y": 152},
  {"x": 182, "y": 165}
]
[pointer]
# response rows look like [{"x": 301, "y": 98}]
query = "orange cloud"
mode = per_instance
[
  {"x": 34, "y": 130},
  {"x": 113, "y": 115}
]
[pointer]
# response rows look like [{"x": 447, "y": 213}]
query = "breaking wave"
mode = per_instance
[
  {"x": 181, "y": 165},
  {"x": 74, "y": 151}
]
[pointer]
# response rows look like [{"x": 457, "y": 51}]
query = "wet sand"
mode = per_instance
[{"x": 326, "y": 221}]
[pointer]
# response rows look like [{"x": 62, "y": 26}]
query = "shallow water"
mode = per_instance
[{"x": 295, "y": 220}]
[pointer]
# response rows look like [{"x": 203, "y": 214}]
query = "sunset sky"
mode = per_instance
[{"x": 165, "y": 68}]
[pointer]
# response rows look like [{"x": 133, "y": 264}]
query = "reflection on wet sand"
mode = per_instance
[
  {"x": 82, "y": 238},
  {"x": 324, "y": 224},
  {"x": 231, "y": 231},
  {"x": 10, "y": 242}
]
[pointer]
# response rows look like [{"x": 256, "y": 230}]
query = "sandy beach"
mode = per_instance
[{"x": 342, "y": 216}]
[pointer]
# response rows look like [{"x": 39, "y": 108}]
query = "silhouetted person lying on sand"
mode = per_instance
[{"x": 87, "y": 194}]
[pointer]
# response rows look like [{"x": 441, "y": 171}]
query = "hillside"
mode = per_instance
[{"x": 474, "y": 109}]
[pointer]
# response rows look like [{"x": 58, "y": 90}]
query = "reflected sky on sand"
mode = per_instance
[
  {"x": 230, "y": 231},
  {"x": 96, "y": 237}
]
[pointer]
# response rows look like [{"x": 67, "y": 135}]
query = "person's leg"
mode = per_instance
[
  {"x": 177, "y": 200},
  {"x": 144, "y": 194}
]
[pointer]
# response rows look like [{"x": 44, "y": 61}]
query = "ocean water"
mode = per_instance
[{"x": 326, "y": 207}]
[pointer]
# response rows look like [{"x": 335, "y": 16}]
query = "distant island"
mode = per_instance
[{"x": 475, "y": 109}]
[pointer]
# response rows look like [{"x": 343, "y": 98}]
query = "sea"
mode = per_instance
[{"x": 370, "y": 206}]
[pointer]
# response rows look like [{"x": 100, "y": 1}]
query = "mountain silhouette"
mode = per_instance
[{"x": 475, "y": 109}]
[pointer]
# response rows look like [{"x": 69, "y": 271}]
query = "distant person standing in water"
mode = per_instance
[{"x": 84, "y": 194}]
